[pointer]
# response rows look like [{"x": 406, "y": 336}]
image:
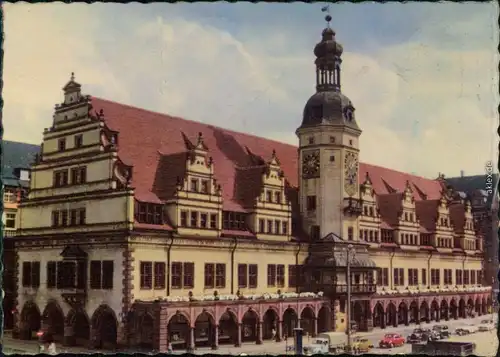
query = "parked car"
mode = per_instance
[
  {"x": 442, "y": 330},
  {"x": 391, "y": 340},
  {"x": 415, "y": 338},
  {"x": 486, "y": 325},
  {"x": 466, "y": 330},
  {"x": 362, "y": 344}
]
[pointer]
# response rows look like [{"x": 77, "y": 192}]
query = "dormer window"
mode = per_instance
[
  {"x": 350, "y": 142},
  {"x": 194, "y": 185},
  {"x": 61, "y": 144},
  {"x": 371, "y": 211},
  {"x": 406, "y": 216},
  {"x": 204, "y": 186},
  {"x": 269, "y": 196},
  {"x": 277, "y": 197},
  {"x": 114, "y": 139}
]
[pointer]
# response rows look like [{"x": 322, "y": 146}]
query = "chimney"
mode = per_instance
[{"x": 461, "y": 173}]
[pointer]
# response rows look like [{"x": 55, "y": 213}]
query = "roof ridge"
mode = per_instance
[{"x": 192, "y": 121}]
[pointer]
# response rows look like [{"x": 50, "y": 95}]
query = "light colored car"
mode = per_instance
[
  {"x": 486, "y": 326},
  {"x": 466, "y": 330}
]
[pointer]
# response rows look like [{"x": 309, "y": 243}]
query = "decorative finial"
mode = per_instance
[
  {"x": 72, "y": 76},
  {"x": 328, "y": 18}
]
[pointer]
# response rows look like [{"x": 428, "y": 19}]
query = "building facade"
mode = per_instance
[
  {"x": 16, "y": 160},
  {"x": 142, "y": 228}
]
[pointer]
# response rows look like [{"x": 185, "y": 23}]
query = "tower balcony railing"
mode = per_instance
[{"x": 353, "y": 206}]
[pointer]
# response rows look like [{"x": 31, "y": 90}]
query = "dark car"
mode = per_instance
[
  {"x": 427, "y": 334},
  {"x": 415, "y": 338},
  {"x": 442, "y": 330}
]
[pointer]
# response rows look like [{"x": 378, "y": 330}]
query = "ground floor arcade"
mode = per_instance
[{"x": 394, "y": 311}]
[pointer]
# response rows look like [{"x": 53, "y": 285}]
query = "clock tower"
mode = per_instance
[{"x": 328, "y": 150}]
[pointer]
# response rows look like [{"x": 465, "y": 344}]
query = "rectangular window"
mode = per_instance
[
  {"x": 61, "y": 144},
  {"x": 350, "y": 233},
  {"x": 107, "y": 274},
  {"x": 277, "y": 197},
  {"x": 10, "y": 220},
  {"x": 78, "y": 175},
  {"x": 379, "y": 276},
  {"x": 269, "y": 196},
  {"x": 194, "y": 219},
  {"x": 95, "y": 274},
  {"x": 31, "y": 274},
  {"x": 209, "y": 275},
  {"x": 188, "y": 276},
  {"x": 220, "y": 275},
  {"x": 271, "y": 275},
  {"x": 55, "y": 218},
  {"x": 82, "y": 216},
  {"x": 9, "y": 196},
  {"x": 277, "y": 225},
  {"x": 385, "y": 275},
  {"x": 242, "y": 275},
  {"x": 213, "y": 221},
  {"x": 284, "y": 226},
  {"x": 78, "y": 140},
  {"x": 51, "y": 275},
  {"x": 466, "y": 277},
  {"x": 253, "y": 273},
  {"x": 424, "y": 276},
  {"x": 292, "y": 276},
  {"x": 146, "y": 275},
  {"x": 234, "y": 221},
  {"x": 311, "y": 203},
  {"x": 60, "y": 178},
  {"x": 269, "y": 226},
  {"x": 280, "y": 275},
  {"x": 412, "y": 277},
  {"x": 72, "y": 217},
  {"x": 479, "y": 277},
  {"x": 262, "y": 225},
  {"x": 194, "y": 185},
  {"x": 399, "y": 276},
  {"x": 176, "y": 275},
  {"x": 159, "y": 275},
  {"x": 458, "y": 277},
  {"x": 183, "y": 219},
  {"x": 203, "y": 220},
  {"x": 204, "y": 186}
]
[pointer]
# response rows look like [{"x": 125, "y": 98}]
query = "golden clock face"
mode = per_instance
[
  {"x": 351, "y": 173},
  {"x": 310, "y": 164}
]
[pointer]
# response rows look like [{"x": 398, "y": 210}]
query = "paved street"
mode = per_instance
[{"x": 486, "y": 342}]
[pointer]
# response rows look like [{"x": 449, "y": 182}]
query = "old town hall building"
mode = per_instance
[{"x": 142, "y": 228}]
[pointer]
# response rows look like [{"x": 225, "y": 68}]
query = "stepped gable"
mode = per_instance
[{"x": 154, "y": 144}]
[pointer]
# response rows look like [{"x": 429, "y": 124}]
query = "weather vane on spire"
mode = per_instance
[
  {"x": 72, "y": 76},
  {"x": 328, "y": 18}
]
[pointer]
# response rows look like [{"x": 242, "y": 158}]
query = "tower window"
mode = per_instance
[
  {"x": 311, "y": 140},
  {"x": 332, "y": 158},
  {"x": 332, "y": 139},
  {"x": 350, "y": 142},
  {"x": 311, "y": 203},
  {"x": 61, "y": 144}
]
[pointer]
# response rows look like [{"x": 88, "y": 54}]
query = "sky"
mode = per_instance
[{"x": 422, "y": 76}]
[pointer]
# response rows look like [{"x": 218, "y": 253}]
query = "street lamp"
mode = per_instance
[{"x": 348, "y": 263}]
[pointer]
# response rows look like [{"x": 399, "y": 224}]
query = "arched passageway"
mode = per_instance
[
  {"x": 79, "y": 322},
  {"x": 392, "y": 316},
  {"x": 358, "y": 314},
  {"x": 444, "y": 310},
  {"x": 53, "y": 320},
  {"x": 228, "y": 328},
  {"x": 324, "y": 319},
  {"x": 178, "y": 331},
  {"x": 402, "y": 314},
  {"x": 424, "y": 312},
  {"x": 307, "y": 321},
  {"x": 106, "y": 326},
  {"x": 269, "y": 323},
  {"x": 414, "y": 319},
  {"x": 461, "y": 309},
  {"x": 477, "y": 307},
  {"x": 453, "y": 309},
  {"x": 379, "y": 316},
  {"x": 9, "y": 306},
  {"x": 289, "y": 322},
  {"x": 249, "y": 326},
  {"x": 146, "y": 332},
  {"x": 204, "y": 330},
  {"x": 470, "y": 308},
  {"x": 435, "y": 311},
  {"x": 30, "y": 321}
]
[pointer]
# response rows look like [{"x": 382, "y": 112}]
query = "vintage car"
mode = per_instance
[
  {"x": 391, "y": 340},
  {"x": 486, "y": 325},
  {"x": 415, "y": 338},
  {"x": 442, "y": 331},
  {"x": 466, "y": 330},
  {"x": 361, "y": 344}
]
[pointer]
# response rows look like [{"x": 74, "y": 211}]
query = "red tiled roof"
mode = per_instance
[
  {"x": 457, "y": 216},
  {"x": 154, "y": 144},
  {"x": 427, "y": 212}
]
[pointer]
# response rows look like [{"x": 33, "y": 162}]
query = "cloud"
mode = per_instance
[{"x": 423, "y": 108}]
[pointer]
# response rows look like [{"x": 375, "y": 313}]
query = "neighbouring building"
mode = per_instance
[
  {"x": 482, "y": 191},
  {"x": 16, "y": 160},
  {"x": 142, "y": 228}
]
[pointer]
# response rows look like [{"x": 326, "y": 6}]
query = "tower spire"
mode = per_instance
[{"x": 328, "y": 18}]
